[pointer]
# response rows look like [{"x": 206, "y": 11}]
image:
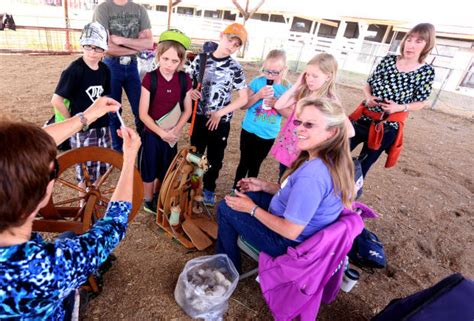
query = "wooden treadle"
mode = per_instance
[
  {"x": 206, "y": 225},
  {"x": 198, "y": 238}
]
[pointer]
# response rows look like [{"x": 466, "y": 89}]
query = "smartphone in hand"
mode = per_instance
[{"x": 380, "y": 101}]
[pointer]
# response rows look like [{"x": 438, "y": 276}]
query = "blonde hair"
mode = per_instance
[
  {"x": 328, "y": 65},
  {"x": 334, "y": 152},
  {"x": 277, "y": 54},
  {"x": 425, "y": 31}
]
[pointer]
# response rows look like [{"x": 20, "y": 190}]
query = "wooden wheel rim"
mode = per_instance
[{"x": 81, "y": 155}]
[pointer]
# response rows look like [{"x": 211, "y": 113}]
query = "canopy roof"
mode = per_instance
[{"x": 456, "y": 12}]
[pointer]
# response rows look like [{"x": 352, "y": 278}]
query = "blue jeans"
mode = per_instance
[
  {"x": 125, "y": 76},
  {"x": 369, "y": 156},
  {"x": 232, "y": 223}
]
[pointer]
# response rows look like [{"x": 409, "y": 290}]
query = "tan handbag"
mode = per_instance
[{"x": 170, "y": 119}]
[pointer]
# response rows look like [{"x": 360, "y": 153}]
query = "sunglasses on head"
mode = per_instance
[
  {"x": 306, "y": 125},
  {"x": 55, "y": 171},
  {"x": 270, "y": 72}
]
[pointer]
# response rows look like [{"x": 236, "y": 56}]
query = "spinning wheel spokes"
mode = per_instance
[
  {"x": 69, "y": 201},
  {"x": 108, "y": 191},
  {"x": 70, "y": 185},
  {"x": 85, "y": 172},
  {"x": 74, "y": 208},
  {"x": 103, "y": 178}
]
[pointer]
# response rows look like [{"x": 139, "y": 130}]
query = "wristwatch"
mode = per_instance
[{"x": 84, "y": 122}]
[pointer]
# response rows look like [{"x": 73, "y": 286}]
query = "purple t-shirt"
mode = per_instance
[{"x": 307, "y": 198}]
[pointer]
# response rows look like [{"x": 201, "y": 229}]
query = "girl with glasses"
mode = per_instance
[
  {"x": 317, "y": 81},
  {"x": 272, "y": 217},
  {"x": 261, "y": 123}
]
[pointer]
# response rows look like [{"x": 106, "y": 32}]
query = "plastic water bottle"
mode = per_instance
[{"x": 265, "y": 107}]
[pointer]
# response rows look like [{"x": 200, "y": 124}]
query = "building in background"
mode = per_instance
[{"x": 303, "y": 30}]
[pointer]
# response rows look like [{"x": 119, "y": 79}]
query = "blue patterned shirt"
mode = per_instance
[{"x": 37, "y": 276}]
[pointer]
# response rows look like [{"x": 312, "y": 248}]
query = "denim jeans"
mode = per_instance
[
  {"x": 128, "y": 78},
  {"x": 369, "y": 156},
  {"x": 232, "y": 223}
]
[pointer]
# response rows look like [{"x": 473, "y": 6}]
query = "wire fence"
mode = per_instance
[
  {"x": 354, "y": 66},
  {"x": 40, "y": 39}
]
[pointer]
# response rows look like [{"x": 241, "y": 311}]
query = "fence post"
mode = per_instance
[
  {"x": 67, "y": 44},
  {"x": 435, "y": 100},
  {"x": 299, "y": 57}
]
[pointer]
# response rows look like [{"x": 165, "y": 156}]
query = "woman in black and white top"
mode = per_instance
[{"x": 399, "y": 84}]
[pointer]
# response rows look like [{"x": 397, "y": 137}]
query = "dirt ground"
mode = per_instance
[{"x": 426, "y": 206}]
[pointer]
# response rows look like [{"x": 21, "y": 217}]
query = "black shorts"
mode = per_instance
[{"x": 155, "y": 157}]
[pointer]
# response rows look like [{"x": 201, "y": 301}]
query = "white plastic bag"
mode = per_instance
[
  {"x": 147, "y": 61},
  {"x": 205, "y": 286}
]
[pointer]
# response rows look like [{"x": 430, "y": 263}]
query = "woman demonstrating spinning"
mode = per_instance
[
  {"x": 272, "y": 218},
  {"x": 39, "y": 278}
]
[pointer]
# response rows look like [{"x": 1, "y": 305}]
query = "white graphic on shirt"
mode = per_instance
[{"x": 94, "y": 92}]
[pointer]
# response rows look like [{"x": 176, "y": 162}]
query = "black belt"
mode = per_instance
[{"x": 124, "y": 60}]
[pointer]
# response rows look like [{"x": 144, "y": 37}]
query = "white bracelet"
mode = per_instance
[
  {"x": 406, "y": 108},
  {"x": 253, "y": 211}
]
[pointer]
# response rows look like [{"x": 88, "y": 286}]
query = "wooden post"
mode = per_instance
[
  {"x": 170, "y": 8},
  {"x": 246, "y": 15},
  {"x": 67, "y": 44}
]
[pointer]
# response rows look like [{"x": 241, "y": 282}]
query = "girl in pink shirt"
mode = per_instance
[{"x": 317, "y": 81}]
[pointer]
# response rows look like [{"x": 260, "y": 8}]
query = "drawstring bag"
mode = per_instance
[{"x": 367, "y": 251}]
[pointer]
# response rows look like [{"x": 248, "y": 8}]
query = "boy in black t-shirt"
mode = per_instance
[{"x": 85, "y": 80}]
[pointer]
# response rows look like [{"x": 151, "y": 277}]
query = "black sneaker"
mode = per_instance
[{"x": 150, "y": 207}]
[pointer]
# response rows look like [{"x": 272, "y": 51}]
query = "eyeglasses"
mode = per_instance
[
  {"x": 306, "y": 125},
  {"x": 95, "y": 49},
  {"x": 55, "y": 172},
  {"x": 270, "y": 72}
]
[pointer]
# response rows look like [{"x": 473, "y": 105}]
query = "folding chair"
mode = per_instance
[{"x": 251, "y": 251}]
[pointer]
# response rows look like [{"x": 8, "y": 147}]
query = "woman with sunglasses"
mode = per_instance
[
  {"x": 317, "y": 81},
  {"x": 315, "y": 189},
  {"x": 38, "y": 279},
  {"x": 261, "y": 123}
]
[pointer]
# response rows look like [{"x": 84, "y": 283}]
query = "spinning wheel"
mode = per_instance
[
  {"x": 73, "y": 208},
  {"x": 180, "y": 211}
]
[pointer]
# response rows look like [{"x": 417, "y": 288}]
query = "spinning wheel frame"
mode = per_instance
[
  {"x": 177, "y": 189},
  {"x": 55, "y": 217}
]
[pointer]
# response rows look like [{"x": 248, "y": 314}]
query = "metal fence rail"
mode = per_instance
[{"x": 40, "y": 39}]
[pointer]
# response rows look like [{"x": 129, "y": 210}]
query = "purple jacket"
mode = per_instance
[{"x": 294, "y": 284}]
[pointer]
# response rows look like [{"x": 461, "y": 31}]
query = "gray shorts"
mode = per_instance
[{"x": 99, "y": 137}]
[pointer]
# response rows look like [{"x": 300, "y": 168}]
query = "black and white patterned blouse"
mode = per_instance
[
  {"x": 401, "y": 87},
  {"x": 221, "y": 77}
]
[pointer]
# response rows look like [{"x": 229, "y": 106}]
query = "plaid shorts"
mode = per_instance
[{"x": 99, "y": 137}]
